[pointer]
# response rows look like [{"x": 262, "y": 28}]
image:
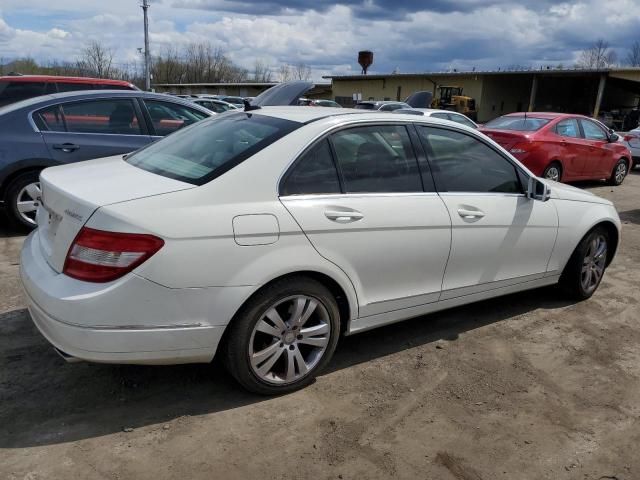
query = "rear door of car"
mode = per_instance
[
  {"x": 569, "y": 147},
  {"x": 94, "y": 128},
  {"x": 359, "y": 196},
  {"x": 599, "y": 162},
  {"x": 499, "y": 236}
]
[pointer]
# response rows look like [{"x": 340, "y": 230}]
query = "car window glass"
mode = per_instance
[
  {"x": 113, "y": 116},
  {"x": 592, "y": 131},
  {"x": 11, "y": 92},
  {"x": 168, "y": 117},
  {"x": 462, "y": 163},
  {"x": 441, "y": 115},
  {"x": 315, "y": 172},
  {"x": 50, "y": 119},
  {"x": 377, "y": 159},
  {"x": 568, "y": 128},
  {"x": 456, "y": 117},
  {"x": 72, "y": 87}
]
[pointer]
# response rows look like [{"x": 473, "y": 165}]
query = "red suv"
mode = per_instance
[
  {"x": 21, "y": 87},
  {"x": 562, "y": 147}
]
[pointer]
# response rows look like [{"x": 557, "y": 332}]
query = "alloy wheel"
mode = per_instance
[
  {"x": 289, "y": 339},
  {"x": 27, "y": 202},
  {"x": 594, "y": 263},
  {"x": 621, "y": 172},
  {"x": 552, "y": 173}
]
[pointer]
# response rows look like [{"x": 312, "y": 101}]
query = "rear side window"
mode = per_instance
[
  {"x": 377, "y": 159},
  {"x": 208, "y": 149},
  {"x": 50, "y": 119},
  {"x": 114, "y": 116},
  {"x": 462, "y": 163},
  {"x": 167, "y": 117},
  {"x": 519, "y": 123},
  {"x": 11, "y": 92},
  {"x": 568, "y": 128},
  {"x": 314, "y": 173}
]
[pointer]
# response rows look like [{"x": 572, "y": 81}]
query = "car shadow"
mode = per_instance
[
  {"x": 8, "y": 227},
  {"x": 45, "y": 401}
]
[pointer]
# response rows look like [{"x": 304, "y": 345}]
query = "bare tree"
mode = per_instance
[
  {"x": 96, "y": 60},
  {"x": 633, "y": 57},
  {"x": 599, "y": 55},
  {"x": 301, "y": 71},
  {"x": 284, "y": 73},
  {"x": 261, "y": 72}
]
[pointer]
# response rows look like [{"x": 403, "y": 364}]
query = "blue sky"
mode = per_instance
[{"x": 406, "y": 35}]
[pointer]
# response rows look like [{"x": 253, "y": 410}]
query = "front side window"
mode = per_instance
[
  {"x": 377, "y": 159},
  {"x": 462, "y": 163},
  {"x": 113, "y": 116},
  {"x": 568, "y": 128},
  {"x": 208, "y": 149},
  {"x": 168, "y": 117},
  {"x": 314, "y": 173},
  {"x": 592, "y": 131}
]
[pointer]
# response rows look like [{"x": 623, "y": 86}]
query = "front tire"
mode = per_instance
[
  {"x": 283, "y": 336},
  {"x": 553, "y": 172},
  {"x": 619, "y": 172},
  {"x": 584, "y": 271},
  {"x": 23, "y": 198}
]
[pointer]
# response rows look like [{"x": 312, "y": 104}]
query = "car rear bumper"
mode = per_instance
[{"x": 131, "y": 320}]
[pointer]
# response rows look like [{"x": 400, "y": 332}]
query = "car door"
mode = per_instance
[
  {"x": 168, "y": 117},
  {"x": 597, "y": 164},
  {"x": 359, "y": 197},
  {"x": 86, "y": 129},
  {"x": 569, "y": 147},
  {"x": 499, "y": 236}
]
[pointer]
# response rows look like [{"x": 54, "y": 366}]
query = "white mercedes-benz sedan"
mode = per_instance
[{"x": 263, "y": 235}]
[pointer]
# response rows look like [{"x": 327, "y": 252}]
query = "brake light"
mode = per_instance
[{"x": 99, "y": 256}]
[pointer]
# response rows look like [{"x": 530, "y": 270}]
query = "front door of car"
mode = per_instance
[
  {"x": 499, "y": 236},
  {"x": 82, "y": 130},
  {"x": 597, "y": 164},
  {"x": 359, "y": 197},
  {"x": 571, "y": 148}
]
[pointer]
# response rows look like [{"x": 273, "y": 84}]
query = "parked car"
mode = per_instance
[
  {"x": 382, "y": 105},
  {"x": 562, "y": 147},
  {"x": 70, "y": 127},
  {"x": 443, "y": 114},
  {"x": 350, "y": 222},
  {"x": 237, "y": 101},
  {"x": 21, "y": 87},
  {"x": 215, "y": 105},
  {"x": 308, "y": 102},
  {"x": 632, "y": 141}
]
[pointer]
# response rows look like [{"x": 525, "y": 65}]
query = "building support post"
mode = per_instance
[
  {"x": 534, "y": 91},
  {"x": 603, "y": 81}
]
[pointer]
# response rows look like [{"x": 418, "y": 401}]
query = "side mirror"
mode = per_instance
[
  {"x": 613, "y": 137},
  {"x": 538, "y": 190}
]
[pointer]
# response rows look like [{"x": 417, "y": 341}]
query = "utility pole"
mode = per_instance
[{"x": 147, "y": 55}]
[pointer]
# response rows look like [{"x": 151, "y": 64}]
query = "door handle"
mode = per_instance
[
  {"x": 343, "y": 216},
  {"x": 464, "y": 213},
  {"x": 66, "y": 147}
]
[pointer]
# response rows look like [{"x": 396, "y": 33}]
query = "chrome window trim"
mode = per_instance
[
  {"x": 111, "y": 134},
  {"x": 329, "y": 196}
]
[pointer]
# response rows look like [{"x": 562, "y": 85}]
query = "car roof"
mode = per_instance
[
  {"x": 58, "y": 79},
  {"x": 45, "y": 100}
]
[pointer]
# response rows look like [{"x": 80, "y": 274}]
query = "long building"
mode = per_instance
[{"x": 587, "y": 91}]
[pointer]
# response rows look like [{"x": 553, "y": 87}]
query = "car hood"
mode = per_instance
[{"x": 562, "y": 191}]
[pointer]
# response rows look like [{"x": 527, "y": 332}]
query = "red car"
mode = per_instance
[
  {"x": 562, "y": 147},
  {"x": 20, "y": 87}
]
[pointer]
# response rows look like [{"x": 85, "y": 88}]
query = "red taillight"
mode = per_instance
[{"x": 99, "y": 256}]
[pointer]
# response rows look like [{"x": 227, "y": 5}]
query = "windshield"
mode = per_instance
[
  {"x": 209, "y": 148},
  {"x": 519, "y": 123}
]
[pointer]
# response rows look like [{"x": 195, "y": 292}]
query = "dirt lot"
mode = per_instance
[{"x": 528, "y": 386}]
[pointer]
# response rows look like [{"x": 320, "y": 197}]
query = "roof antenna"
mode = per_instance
[{"x": 248, "y": 107}]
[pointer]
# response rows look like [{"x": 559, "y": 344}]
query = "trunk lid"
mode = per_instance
[
  {"x": 71, "y": 193},
  {"x": 507, "y": 139}
]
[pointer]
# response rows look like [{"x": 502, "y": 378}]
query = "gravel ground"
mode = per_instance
[{"x": 528, "y": 386}]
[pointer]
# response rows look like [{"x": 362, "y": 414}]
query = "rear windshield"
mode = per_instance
[
  {"x": 519, "y": 123},
  {"x": 209, "y": 148}
]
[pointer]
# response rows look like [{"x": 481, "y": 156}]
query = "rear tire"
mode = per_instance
[
  {"x": 619, "y": 172},
  {"x": 584, "y": 271},
  {"x": 553, "y": 172},
  {"x": 20, "y": 201},
  {"x": 274, "y": 353}
]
